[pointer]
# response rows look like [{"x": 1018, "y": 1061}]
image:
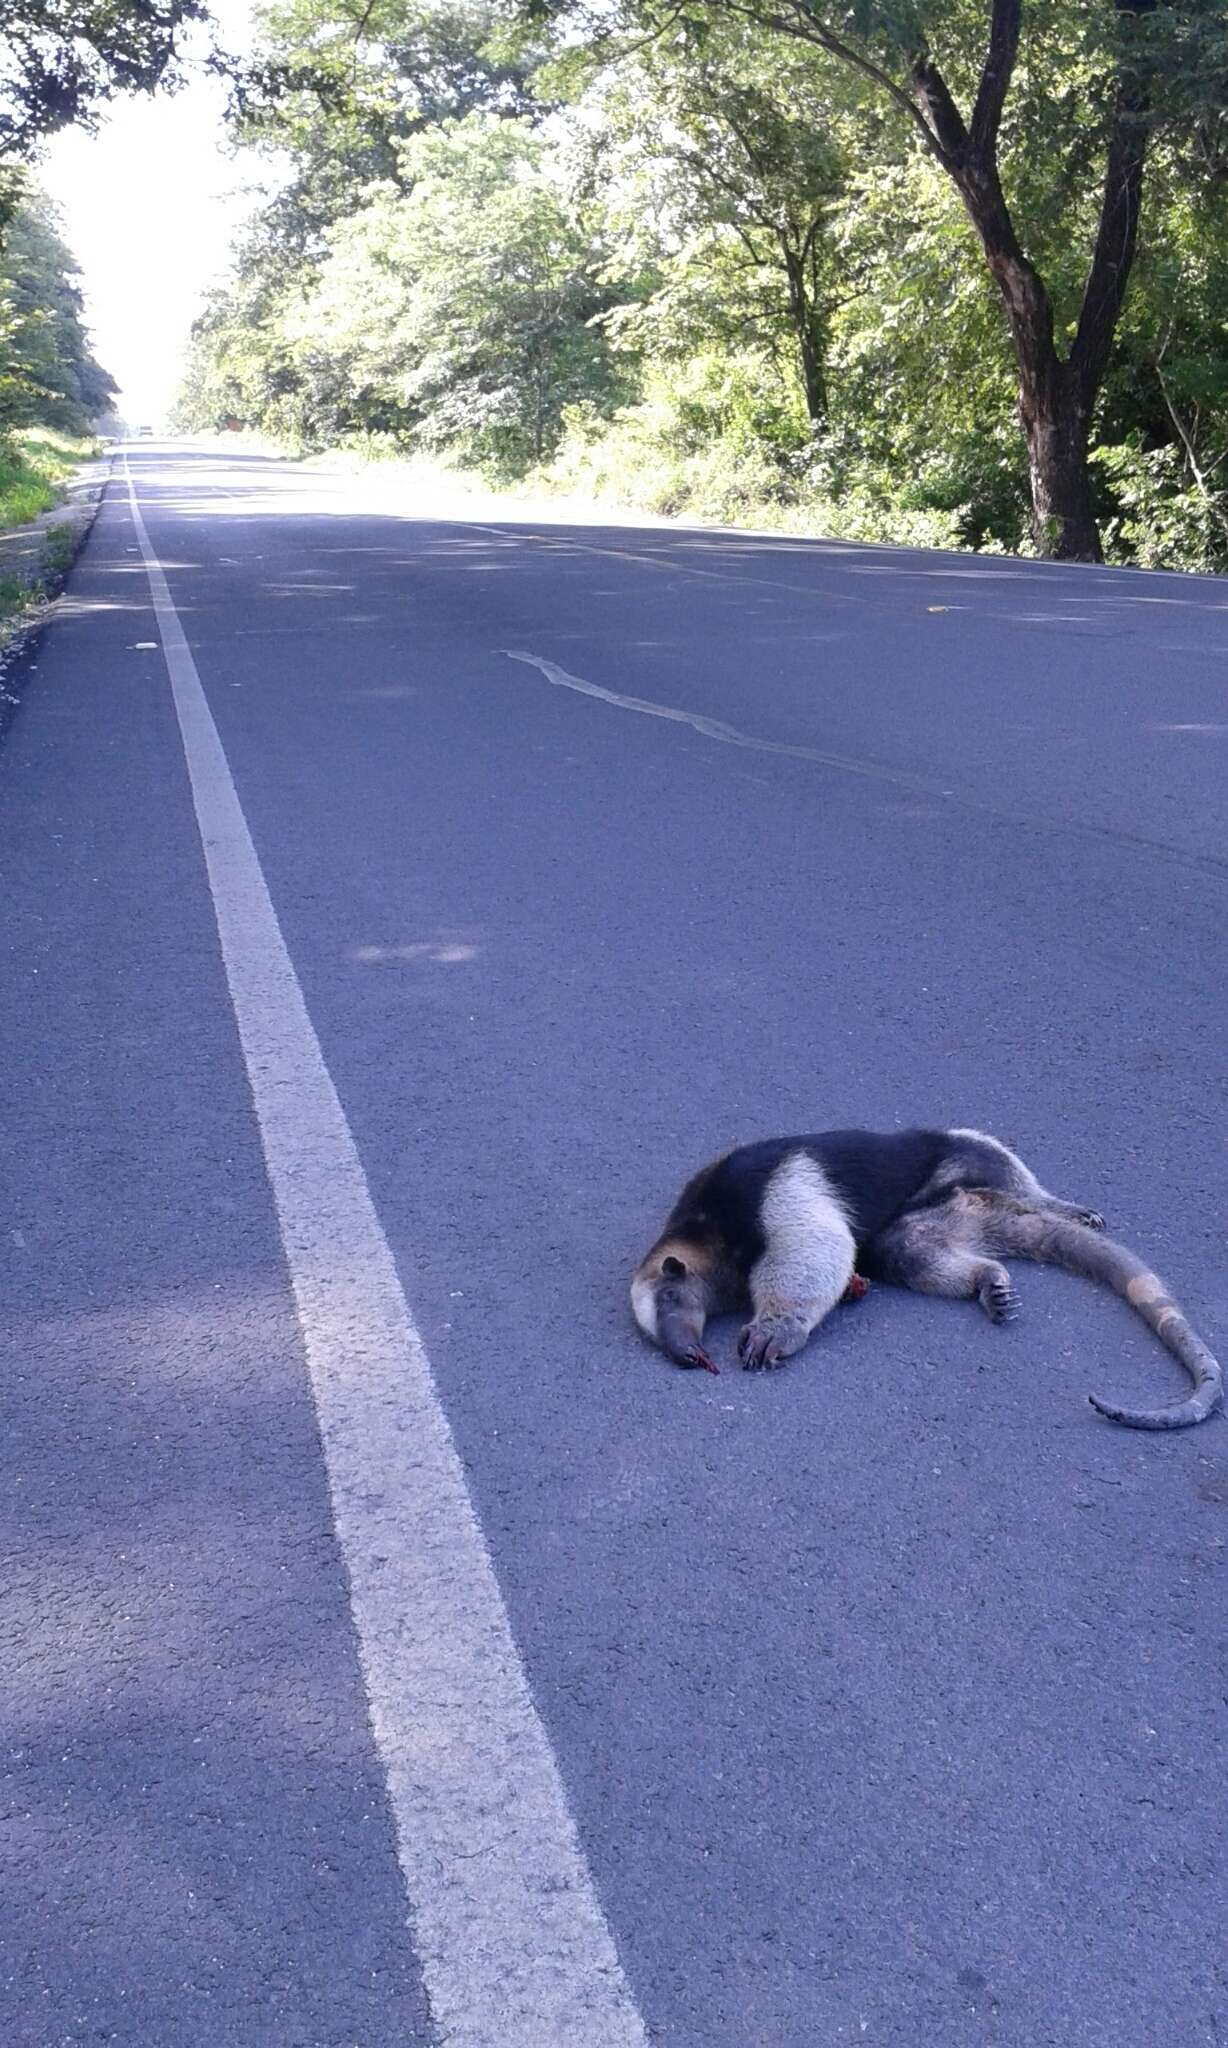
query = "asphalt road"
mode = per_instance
[{"x": 898, "y": 1724}]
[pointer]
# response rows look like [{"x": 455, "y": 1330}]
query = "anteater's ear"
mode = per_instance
[{"x": 673, "y": 1268}]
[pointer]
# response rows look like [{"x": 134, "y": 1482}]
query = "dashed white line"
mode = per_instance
[{"x": 510, "y": 1937}]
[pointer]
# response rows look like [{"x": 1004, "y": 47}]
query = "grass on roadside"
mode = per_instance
[
  {"x": 33, "y": 462},
  {"x": 58, "y": 549}
]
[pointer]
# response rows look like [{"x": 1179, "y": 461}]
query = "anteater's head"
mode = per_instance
[{"x": 672, "y": 1297}]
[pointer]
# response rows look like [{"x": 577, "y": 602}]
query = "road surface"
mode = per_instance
[{"x": 398, "y": 900}]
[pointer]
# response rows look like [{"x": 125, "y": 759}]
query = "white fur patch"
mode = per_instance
[
  {"x": 644, "y": 1305},
  {"x": 808, "y": 1257}
]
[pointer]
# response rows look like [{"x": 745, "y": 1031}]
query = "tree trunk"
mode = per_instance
[
  {"x": 1055, "y": 425},
  {"x": 814, "y": 379},
  {"x": 1056, "y": 396},
  {"x": 807, "y": 327}
]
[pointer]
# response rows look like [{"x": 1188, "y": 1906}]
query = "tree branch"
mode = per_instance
[
  {"x": 803, "y": 26},
  {"x": 1117, "y": 233},
  {"x": 996, "y": 75},
  {"x": 754, "y": 156},
  {"x": 360, "y": 26},
  {"x": 619, "y": 52},
  {"x": 706, "y": 172},
  {"x": 945, "y": 119},
  {"x": 1196, "y": 469}
]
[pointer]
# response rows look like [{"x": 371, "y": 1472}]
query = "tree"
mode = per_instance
[
  {"x": 61, "y": 60},
  {"x": 1164, "y": 413},
  {"x": 460, "y": 306},
  {"x": 472, "y": 301},
  {"x": 747, "y": 166},
  {"x": 739, "y": 270},
  {"x": 1126, "y": 67},
  {"x": 48, "y": 373},
  {"x": 340, "y": 86}
]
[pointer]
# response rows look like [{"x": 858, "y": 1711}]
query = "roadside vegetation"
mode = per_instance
[
  {"x": 953, "y": 274},
  {"x": 60, "y": 67},
  {"x": 32, "y": 464},
  {"x": 51, "y": 388},
  {"x": 49, "y": 378},
  {"x": 948, "y": 271},
  {"x": 51, "y": 392}
]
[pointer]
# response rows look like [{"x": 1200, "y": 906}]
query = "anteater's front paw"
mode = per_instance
[{"x": 769, "y": 1340}]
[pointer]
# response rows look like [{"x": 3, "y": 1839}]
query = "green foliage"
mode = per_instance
[
  {"x": 24, "y": 490},
  {"x": 47, "y": 371},
  {"x": 32, "y": 463},
  {"x": 731, "y": 278},
  {"x": 14, "y": 598},
  {"x": 460, "y": 306},
  {"x": 740, "y": 155},
  {"x": 58, "y": 550},
  {"x": 343, "y": 85},
  {"x": 1160, "y": 519},
  {"x": 709, "y": 442}
]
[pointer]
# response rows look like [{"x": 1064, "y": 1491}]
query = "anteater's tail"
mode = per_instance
[{"x": 1078, "y": 1249}]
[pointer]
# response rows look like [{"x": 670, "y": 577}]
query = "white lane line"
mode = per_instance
[
  {"x": 716, "y": 729},
  {"x": 565, "y": 543},
  {"x": 509, "y": 1934}
]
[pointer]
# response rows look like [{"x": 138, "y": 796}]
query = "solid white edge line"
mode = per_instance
[{"x": 509, "y": 1934}]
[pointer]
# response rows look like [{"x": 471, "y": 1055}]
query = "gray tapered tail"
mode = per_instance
[{"x": 1079, "y": 1250}]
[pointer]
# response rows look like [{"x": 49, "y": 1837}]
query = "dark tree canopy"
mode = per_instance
[{"x": 62, "y": 60}]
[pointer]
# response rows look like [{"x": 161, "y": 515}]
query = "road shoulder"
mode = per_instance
[{"x": 35, "y": 560}]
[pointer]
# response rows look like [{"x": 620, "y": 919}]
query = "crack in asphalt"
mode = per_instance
[{"x": 871, "y": 771}]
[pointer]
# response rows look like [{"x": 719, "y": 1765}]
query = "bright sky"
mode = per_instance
[{"x": 150, "y": 206}]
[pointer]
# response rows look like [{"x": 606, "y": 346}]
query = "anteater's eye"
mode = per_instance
[{"x": 673, "y": 1269}]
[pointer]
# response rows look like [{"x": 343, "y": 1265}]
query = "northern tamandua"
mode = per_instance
[{"x": 789, "y": 1224}]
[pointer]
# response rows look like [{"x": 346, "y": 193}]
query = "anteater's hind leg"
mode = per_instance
[
  {"x": 979, "y": 1161},
  {"x": 964, "y": 1276},
  {"x": 943, "y": 1249},
  {"x": 1019, "y": 1225},
  {"x": 1071, "y": 1212}
]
